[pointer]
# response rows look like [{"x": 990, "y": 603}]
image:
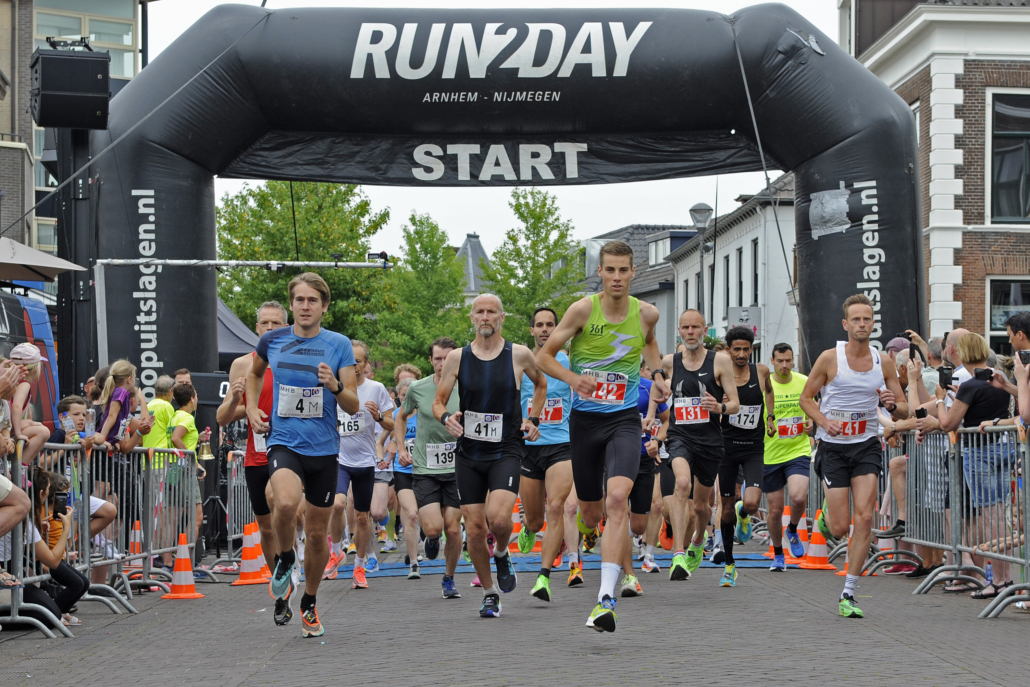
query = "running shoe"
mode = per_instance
[
  {"x": 506, "y": 578},
  {"x": 896, "y": 530},
  {"x": 283, "y": 613},
  {"x": 332, "y": 568},
  {"x": 718, "y": 555},
  {"x": 352, "y": 548},
  {"x": 824, "y": 529},
  {"x": 678, "y": 570},
  {"x": 389, "y": 546},
  {"x": 382, "y": 535},
  {"x": 312, "y": 626},
  {"x": 542, "y": 588},
  {"x": 778, "y": 564},
  {"x": 603, "y": 618},
  {"x": 695, "y": 554},
  {"x": 281, "y": 585},
  {"x": 650, "y": 565},
  {"x": 900, "y": 569},
  {"x": 301, "y": 545},
  {"x": 847, "y": 607},
  {"x": 743, "y": 529},
  {"x": 631, "y": 587},
  {"x": 476, "y": 582},
  {"x": 414, "y": 573},
  {"x": 797, "y": 549},
  {"x": 590, "y": 541},
  {"x": 575, "y": 574},
  {"x": 561, "y": 552},
  {"x": 709, "y": 544},
  {"x": 360, "y": 582},
  {"x": 407, "y": 559},
  {"x": 373, "y": 565},
  {"x": 527, "y": 540},
  {"x": 665, "y": 538},
  {"x": 449, "y": 590},
  {"x": 490, "y": 541},
  {"x": 729, "y": 576},
  {"x": 582, "y": 526},
  {"x": 432, "y": 548},
  {"x": 491, "y": 607}
]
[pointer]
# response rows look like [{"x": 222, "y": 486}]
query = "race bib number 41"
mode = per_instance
[
  {"x": 747, "y": 418},
  {"x": 440, "y": 455},
  {"x": 298, "y": 401},
  {"x": 789, "y": 427},
  {"x": 688, "y": 411},
  {"x": 611, "y": 387},
  {"x": 853, "y": 423},
  {"x": 554, "y": 412},
  {"x": 483, "y": 426}
]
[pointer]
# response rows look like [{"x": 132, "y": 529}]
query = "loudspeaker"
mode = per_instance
[{"x": 70, "y": 89}]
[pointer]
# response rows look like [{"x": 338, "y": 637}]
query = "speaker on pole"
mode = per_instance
[{"x": 70, "y": 89}]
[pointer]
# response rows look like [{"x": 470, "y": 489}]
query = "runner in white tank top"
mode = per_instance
[{"x": 849, "y": 459}]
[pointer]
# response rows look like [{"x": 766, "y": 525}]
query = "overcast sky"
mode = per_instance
[{"x": 592, "y": 209}]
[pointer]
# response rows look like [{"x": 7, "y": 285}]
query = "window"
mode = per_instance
[
  {"x": 740, "y": 277},
  {"x": 726, "y": 286},
  {"x": 105, "y": 33},
  {"x": 43, "y": 178},
  {"x": 711, "y": 291},
  {"x": 1010, "y": 158},
  {"x": 915, "y": 113},
  {"x": 754, "y": 272},
  {"x": 686, "y": 294},
  {"x": 698, "y": 291},
  {"x": 657, "y": 251},
  {"x": 1007, "y": 296},
  {"x": 46, "y": 235}
]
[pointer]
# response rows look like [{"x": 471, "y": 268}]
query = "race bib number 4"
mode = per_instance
[
  {"x": 853, "y": 423},
  {"x": 483, "y": 426},
  {"x": 554, "y": 412},
  {"x": 747, "y": 418},
  {"x": 440, "y": 455},
  {"x": 688, "y": 411},
  {"x": 789, "y": 427},
  {"x": 611, "y": 387},
  {"x": 350, "y": 425},
  {"x": 298, "y": 401}
]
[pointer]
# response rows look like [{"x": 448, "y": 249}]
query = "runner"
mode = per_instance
[
  {"x": 788, "y": 454},
  {"x": 654, "y": 430},
  {"x": 609, "y": 331},
  {"x": 850, "y": 378},
  {"x": 358, "y": 459},
  {"x": 436, "y": 491},
  {"x": 546, "y": 464},
  {"x": 407, "y": 512},
  {"x": 270, "y": 316},
  {"x": 743, "y": 438},
  {"x": 488, "y": 465},
  {"x": 701, "y": 379},
  {"x": 303, "y": 440}
]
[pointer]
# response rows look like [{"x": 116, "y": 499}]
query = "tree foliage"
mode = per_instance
[
  {"x": 257, "y": 224},
  {"x": 424, "y": 299},
  {"x": 539, "y": 264}
]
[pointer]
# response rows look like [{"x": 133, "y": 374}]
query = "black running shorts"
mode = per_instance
[
  {"x": 537, "y": 460},
  {"x": 643, "y": 487},
  {"x": 436, "y": 488},
  {"x": 402, "y": 481},
  {"x": 317, "y": 473},
  {"x": 257, "y": 479},
  {"x": 750, "y": 459},
  {"x": 603, "y": 443},
  {"x": 836, "y": 464},
  {"x": 477, "y": 477},
  {"x": 704, "y": 460}
]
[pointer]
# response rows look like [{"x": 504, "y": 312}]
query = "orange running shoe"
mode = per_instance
[
  {"x": 359, "y": 579},
  {"x": 332, "y": 568},
  {"x": 575, "y": 574},
  {"x": 312, "y": 626}
]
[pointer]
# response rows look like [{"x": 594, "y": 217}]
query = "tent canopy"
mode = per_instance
[{"x": 234, "y": 337}]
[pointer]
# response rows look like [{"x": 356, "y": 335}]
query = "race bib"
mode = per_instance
[
  {"x": 259, "y": 443},
  {"x": 611, "y": 387},
  {"x": 554, "y": 412},
  {"x": 853, "y": 423},
  {"x": 789, "y": 427},
  {"x": 409, "y": 446},
  {"x": 440, "y": 455},
  {"x": 299, "y": 401},
  {"x": 688, "y": 411},
  {"x": 747, "y": 418},
  {"x": 483, "y": 426},
  {"x": 123, "y": 429},
  {"x": 350, "y": 425}
]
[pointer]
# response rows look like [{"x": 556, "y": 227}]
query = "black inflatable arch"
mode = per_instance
[{"x": 502, "y": 97}]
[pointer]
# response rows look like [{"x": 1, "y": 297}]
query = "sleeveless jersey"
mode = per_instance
[
  {"x": 490, "y": 405},
  {"x": 851, "y": 398},
  {"x": 790, "y": 440},
  {"x": 409, "y": 441},
  {"x": 746, "y": 427},
  {"x": 611, "y": 354},
  {"x": 554, "y": 420},
  {"x": 689, "y": 420},
  {"x": 255, "y": 457}
]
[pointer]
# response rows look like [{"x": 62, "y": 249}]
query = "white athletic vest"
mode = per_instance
[{"x": 851, "y": 398}]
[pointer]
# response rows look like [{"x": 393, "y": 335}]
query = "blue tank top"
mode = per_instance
[
  {"x": 554, "y": 421},
  {"x": 409, "y": 439},
  {"x": 643, "y": 399}
]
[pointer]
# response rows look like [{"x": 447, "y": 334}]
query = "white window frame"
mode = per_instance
[
  {"x": 35, "y": 234},
  {"x": 84, "y": 18},
  {"x": 988, "y": 282},
  {"x": 988, "y": 204}
]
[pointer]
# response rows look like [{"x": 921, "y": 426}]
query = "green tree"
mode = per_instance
[
  {"x": 257, "y": 224},
  {"x": 424, "y": 299},
  {"x": 539, "y": 264}
]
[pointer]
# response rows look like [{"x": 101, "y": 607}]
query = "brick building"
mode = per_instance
[{"x": 964, "y": 68}]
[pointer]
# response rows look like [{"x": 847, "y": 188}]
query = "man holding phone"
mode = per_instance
[{"x": 1018, "y": 326}]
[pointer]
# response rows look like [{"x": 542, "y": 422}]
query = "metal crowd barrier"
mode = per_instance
[{"x": 238, "y": 510}]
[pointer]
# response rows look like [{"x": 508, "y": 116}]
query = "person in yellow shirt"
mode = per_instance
[
  {"x": 183, "y": 435},
  {"x": 162, "y": 410}
]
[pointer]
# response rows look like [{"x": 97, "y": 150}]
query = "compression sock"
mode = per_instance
[
  {"x": 718, "y": 539},
  {"x": 307, "y": 602},
  {"x": 849, "y": 585},
  {"x": 287, "y": 558},
  {"x": 778, "y": 550},
  {"x": 609, "y": 576},
  {"x": 792, "y": 527},
  {"x": 727, "y": 540},
  {"x": 546, "y": 572}
]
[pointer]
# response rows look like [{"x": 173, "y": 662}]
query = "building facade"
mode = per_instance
[
  {"x": 472, "y": 256},
  {"x": 964, "y": 68}
]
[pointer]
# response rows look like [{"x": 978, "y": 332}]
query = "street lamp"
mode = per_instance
[{"x": 701, "y": 214}]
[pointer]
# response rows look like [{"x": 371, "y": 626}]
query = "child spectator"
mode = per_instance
[{"x": 23, "y": 426}]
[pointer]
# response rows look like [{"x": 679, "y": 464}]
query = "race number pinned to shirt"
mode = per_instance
[
  {"x": 441, "y": 456},
  {"x": 611, "y": 387},
  {"x": 409, "y": 446},
  {"x": 789, "y": 427},
  {"x": 747, "y": 418},
  {"x": 299, "y": 401},
  {"x": 123, "y": 429},
  {"x": 259, "y": 442},
  {"x": 554, "y": 412},
  {"x": 350, "y": 425},
  {"x": 853, "y": 423},
  {"x": 483, "y": 426},
  {"x": 688, "y": 410}
]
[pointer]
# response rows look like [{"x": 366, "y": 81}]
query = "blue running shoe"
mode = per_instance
[
  {"x": 729, "y": 576},
  {"x": 778, "y": 565},
  {"x": 449, "y": 590},
  {"x": 432, "y": 548},
  {"x": 281, "y": 584},
  {"x": 506, "y": 578},
  {"x": 797, "y": 549},
  {"x": 743, "y": 529},
  {"x": 372, "y": 565}
]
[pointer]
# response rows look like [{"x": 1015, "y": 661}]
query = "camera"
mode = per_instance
[
  {"x": 920, "y": 412},
  {"x": 1024, "y": 357},
  {"x": 904, "y": 335},
  {"x": 945, "y": 376},
  {"x": 984, "y": 374}
]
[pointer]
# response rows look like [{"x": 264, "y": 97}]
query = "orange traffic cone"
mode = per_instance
[
  {"x": 135, "y": 546},
  {"x": 816, "y": 558},
  {"x": 182, "y": 574},
  {"x": 265, "y": 572},
  {"x": 250, "y": 571},
  {"x": 784, "y": 521}
]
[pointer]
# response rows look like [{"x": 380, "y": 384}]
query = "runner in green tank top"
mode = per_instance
[{"x": 610, "y": 332}]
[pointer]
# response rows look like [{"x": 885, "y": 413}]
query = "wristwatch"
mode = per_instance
[
  {"x": 443, "y": 418},
  {"x": 534, "y": 420},
  {"x": 661, "y": 372},
  {"x": 723, "y": 408}
]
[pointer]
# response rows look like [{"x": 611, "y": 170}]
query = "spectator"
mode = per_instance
[
  {"x": 11, "y": 374},
  {"x": 88, "y": 386},
  {"x": 57, "y": 529},
  {"x": 14, "y": 506},
  {"x": 162, "y": 411},
  {"x": 184, "y": 436},
  {"x": 23, "y": 426},
  {"x": 6, "y": 442},
  {"x": 182, "y": 376},
  {"x": 1018, "y": 326},
  {"x": 986, "y": 467},
  {"x": 115, "y": 400}
]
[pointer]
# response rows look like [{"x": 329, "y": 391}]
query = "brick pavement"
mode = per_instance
[{"x": 771, "y": 627}]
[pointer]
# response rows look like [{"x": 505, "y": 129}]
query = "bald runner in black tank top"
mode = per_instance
[{"x": 694, "y": 433}]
